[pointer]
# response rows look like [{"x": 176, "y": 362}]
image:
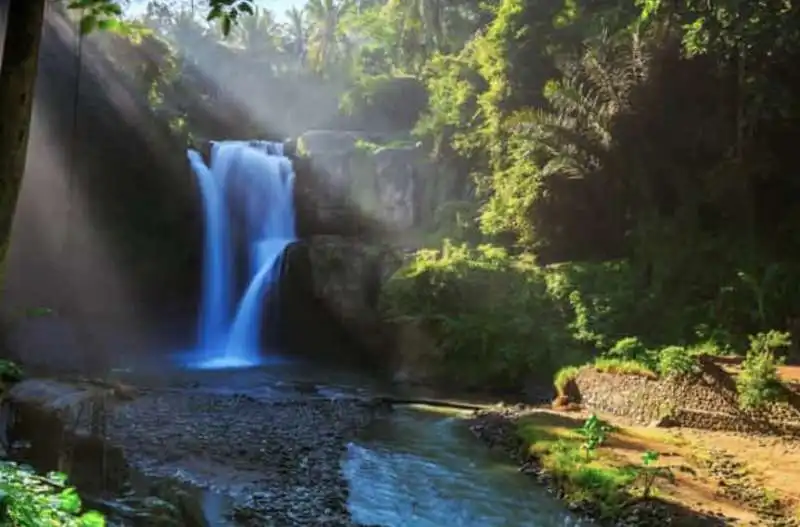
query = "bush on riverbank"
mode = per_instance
[
  {"x": 758, "y": 383},
  {"x": 491, "y": 315},
  {"x": 28, "y": 499},
  {"x": 32, "y": 500},
  {"x": 587, "y": 474},
  {"x": 498, "y": 319}
]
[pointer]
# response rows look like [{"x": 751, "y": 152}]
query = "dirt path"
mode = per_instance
[
  {"x": 719, "y": 478},
  {"x": 771, "y": 463}
]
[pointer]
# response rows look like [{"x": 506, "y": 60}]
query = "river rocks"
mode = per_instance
[
  {"x": 276, "y": 461},
  {"x": 289, "y": 451}
]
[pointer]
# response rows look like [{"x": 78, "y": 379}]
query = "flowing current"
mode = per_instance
[{"x": 249, "y": 184}]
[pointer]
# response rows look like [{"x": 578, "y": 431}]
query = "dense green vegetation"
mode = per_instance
[
  {"x": 642, "y": 146},
  {"x": 623, "y": 193},
  {"x": 31, "y": 500},
  {"x": 626, "y": 165}
]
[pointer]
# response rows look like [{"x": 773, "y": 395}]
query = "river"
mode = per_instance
[{"x": 411, "y": 467}]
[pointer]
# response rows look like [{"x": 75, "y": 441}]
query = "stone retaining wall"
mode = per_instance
[{"x": 706, "y": 402}]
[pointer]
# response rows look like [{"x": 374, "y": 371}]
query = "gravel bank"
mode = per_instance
[{"x": 273, "y": 462}]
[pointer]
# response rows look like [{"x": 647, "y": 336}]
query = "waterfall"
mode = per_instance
[{"x": 255, "y": 180}]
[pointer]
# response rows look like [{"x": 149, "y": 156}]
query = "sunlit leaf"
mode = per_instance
[
  {"x": 109, "y": 24},
  {"x": 70, "y": 501},
  {"x": 92, "y": 519}
]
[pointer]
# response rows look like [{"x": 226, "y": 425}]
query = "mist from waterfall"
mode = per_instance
[{"x": 250, "y": 184}]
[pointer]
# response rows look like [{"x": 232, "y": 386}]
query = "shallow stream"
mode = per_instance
[
  {"x": 416, "y": 467},
  {"x": 412, "y": 467}
]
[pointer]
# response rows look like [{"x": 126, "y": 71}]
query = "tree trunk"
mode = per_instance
[{"x": 17, "y": 79}]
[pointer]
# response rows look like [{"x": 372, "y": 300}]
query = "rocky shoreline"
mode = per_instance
[
  {"x": 169, "y": 455},
  {"x": 266, "y": 462},
  {"x": 497, "y": 429}
]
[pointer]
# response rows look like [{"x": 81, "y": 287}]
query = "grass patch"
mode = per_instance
[
  {"x": 651, "y": 435},
  {"x": 440, "y": 410},
  {"x": 554, "y": 440},
  {"x": 624, "y": 367},
  {"x": 564, "y": 376},
  {"x": 568, "y": 374}
]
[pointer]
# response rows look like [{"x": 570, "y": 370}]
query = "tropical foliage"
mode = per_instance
[{"x": 623, "y": 168}]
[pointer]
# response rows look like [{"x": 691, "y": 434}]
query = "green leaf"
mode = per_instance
[
  {"x": 111, "y": 8},
  {"x": 92, "y": 519},
  {"x": 109, "y": 24},
  {"x": 214, "y": 13},
  {"x": 649, "y": 457},
  {"x": 88, "y": 23},
  {"x": 70, "y": 501},
  {"x": 226, "y": 25}
]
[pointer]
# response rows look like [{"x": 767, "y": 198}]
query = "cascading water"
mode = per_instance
[{"x": 256, "y": 180}]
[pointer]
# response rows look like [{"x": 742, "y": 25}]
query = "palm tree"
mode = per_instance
[
  {"x": 551, "y": 156},
  {"x": 426, "y": 18},
  {"x": 326, "y": 43},
  {"x": 258, "y": 34},
  {"x": 576, "y": 135},
  {"x": 296, "y": 32}
]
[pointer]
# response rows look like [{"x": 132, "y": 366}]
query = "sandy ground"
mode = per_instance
[{"x": 707, "y": 466}]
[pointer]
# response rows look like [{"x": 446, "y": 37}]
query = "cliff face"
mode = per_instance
[{"x": 105, "y": 259}]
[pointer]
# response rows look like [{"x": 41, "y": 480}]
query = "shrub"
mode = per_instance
[
  {"x": 631, "y": 349},
  {"x": 770, "y": 341},
  {"x": 758, "y": 383},
  {"x": 31, "y": 500},
  {"x": 624, "y": 367},
  {"x": 677, "y": 361},
  {"x": 594, "y": 433},
  {"x": 10, "y": 371},
  {"x": 648, "y": 472},
  {"x": 599, "y": 299},
  {"x": 563, "y": 377},
  {"x": 489, "y": 314}
]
